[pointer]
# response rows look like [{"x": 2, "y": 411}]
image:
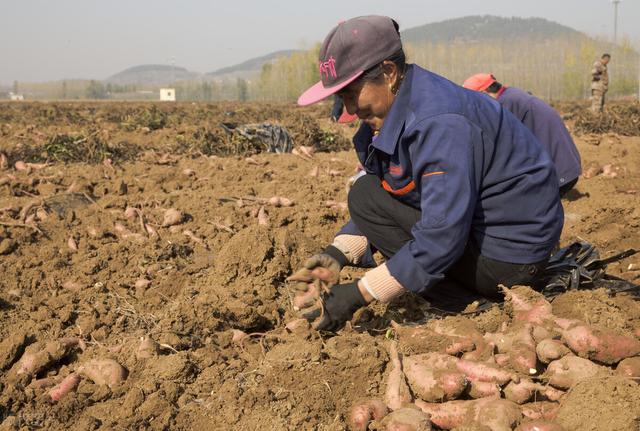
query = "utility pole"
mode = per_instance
[{"x": 615, "y": 20}]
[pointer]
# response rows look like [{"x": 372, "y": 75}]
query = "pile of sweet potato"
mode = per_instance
[{"x": 512, "y": 379}]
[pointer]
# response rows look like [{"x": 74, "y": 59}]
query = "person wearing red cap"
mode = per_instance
[
  {"x": 542, "y": 120},
  {"x": 458, "y": 195}
]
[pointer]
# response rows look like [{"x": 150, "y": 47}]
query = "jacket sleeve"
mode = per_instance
[{"x": 443, "y": 160}]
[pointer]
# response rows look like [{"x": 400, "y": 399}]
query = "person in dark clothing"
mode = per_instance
[
  {"x": 543, "y": 121},
  {"x": 336, "y": 109},
  {"x": 457, "y": 192}
]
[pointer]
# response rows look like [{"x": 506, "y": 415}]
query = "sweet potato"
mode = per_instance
[
  {"x": 501, "y": 359},
  {"x": 522, "y": 355},
  {"x": 172, "y": 217},
  {"x": 432, "y": 382},
  {"x": 600, "y": 346},
  {"x": 419, "y": 339},
  {"x": 569, "y": 370},
  {"x": 549, "y": 350},
  {"x": 364, "y": 411},
  {"x": 450, "y": 414},
  {"x": 527, "y": 305},
  {"x": 478, "y": 389},
  {"x": 148, "y": 348},
  {"x": 629, "y": 367},
  {"x": 500, "y": 340},
  {"x": 540, "y": 425},
  {"x": 40, "y": 356},
  {"x": 520, "y": 392},
  {"x": 484, "y": 372},
  {"x": 540, "y": 410},
  {"x": 523, "y": 391},
  {"x": 406, "y": 419},
  {"x": 397, "y": 393},
  {"x": 43, "y": 383},
  {"x": 104, "y": 372},
  {"x": 67, "y": 384},
  {"x": 478, "y": 371},
  {"x": 306, "y": 298},
  {"x": 494, "y": 413}
]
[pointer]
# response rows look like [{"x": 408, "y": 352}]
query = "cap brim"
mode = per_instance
[
  {"x": 318, "y": 91},
  {"x": 347, "y": 118}
]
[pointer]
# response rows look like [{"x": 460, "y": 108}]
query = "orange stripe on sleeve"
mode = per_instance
[
  {"x": 403, "y": 191},
  {"x": 428, "y": 174}
]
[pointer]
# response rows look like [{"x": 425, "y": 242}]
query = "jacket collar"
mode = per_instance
[{"x": 387, "y": 139}]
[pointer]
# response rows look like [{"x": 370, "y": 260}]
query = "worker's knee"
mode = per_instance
[{"x": 362, "y": 194}]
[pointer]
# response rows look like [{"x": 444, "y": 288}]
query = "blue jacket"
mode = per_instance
[
  {"x": 474, "y": 171},
  {"x": 546, "y": 125}
]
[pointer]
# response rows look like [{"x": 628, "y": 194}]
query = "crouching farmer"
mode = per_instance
[{"x": 458, "y": 195}]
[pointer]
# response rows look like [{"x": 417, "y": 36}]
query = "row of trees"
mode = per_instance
[{"x": 553, "y": 69}]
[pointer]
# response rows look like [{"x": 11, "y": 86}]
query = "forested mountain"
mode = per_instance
[
  {"x": 151, "y": 74},
  {"x": 487, "y": 28},
  {"x": 161, "y": 74}
]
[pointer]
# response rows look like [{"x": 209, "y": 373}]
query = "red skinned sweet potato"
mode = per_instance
[
  {"x": 549, "y": 350},
  {"x": 484, "y": 371},
  {"x": 364, "y": 411},
  {"x": 540, "y": 425},
  {"x": 495, "y": 413},
  {"x": 522, "y": 355},
  {"x": 629, "y": 367},
  {"x": 397, "y": 393},
  {"x": 600, "y": 346},
  {"x": 104, "y": 372},
  {"x": 540, "y": 410},
  {"x": 67, "y": 384},
  {"x": 524, "y": 390},
  {"x": 406, "y": 419},
  {"x": 569, "y": 370},
  {"x": 432, "y": 382},
  {"x": 528, "y": 305},
  {"x": 40, "y": 356},
  {"x": 520, "y": 392},
  {"x": 478, "y": 389}
]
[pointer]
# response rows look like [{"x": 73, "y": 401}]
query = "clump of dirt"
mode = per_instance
[
  {"x": 611, "y": 403},
  {"x": 599, "y": 308}
]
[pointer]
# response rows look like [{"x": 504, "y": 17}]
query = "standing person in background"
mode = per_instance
[
  {"x": 599, "y": 82},
  {"x": 543, "y": 121}
]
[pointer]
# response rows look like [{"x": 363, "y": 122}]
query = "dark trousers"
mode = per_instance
[
  {"x": 387, "y": 223},
  {"x": 337, "y": 108},
  {"x": 568, "y": 186}
]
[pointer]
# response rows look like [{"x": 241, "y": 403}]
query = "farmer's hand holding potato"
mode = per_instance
[{"x": 320, "y": 295}]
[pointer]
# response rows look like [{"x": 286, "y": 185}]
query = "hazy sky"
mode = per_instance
[{"x": 63, "y": 39}]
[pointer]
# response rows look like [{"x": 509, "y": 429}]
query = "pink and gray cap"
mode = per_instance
[{"x": 350, "y": 49}]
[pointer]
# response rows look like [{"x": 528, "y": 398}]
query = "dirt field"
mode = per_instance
[{"x": 75, "y": 263}]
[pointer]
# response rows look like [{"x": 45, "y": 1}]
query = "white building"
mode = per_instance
[
  {"x": 14, "y": 96},
  {"x": 168, "y": 94}
]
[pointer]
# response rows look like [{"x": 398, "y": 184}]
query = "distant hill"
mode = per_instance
[
  {"x": 254, "y": 64},
  {"x": 152, "y": 75},
  {"x": 161, "y": 74},
  {"x": 479, "y": 28}
]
